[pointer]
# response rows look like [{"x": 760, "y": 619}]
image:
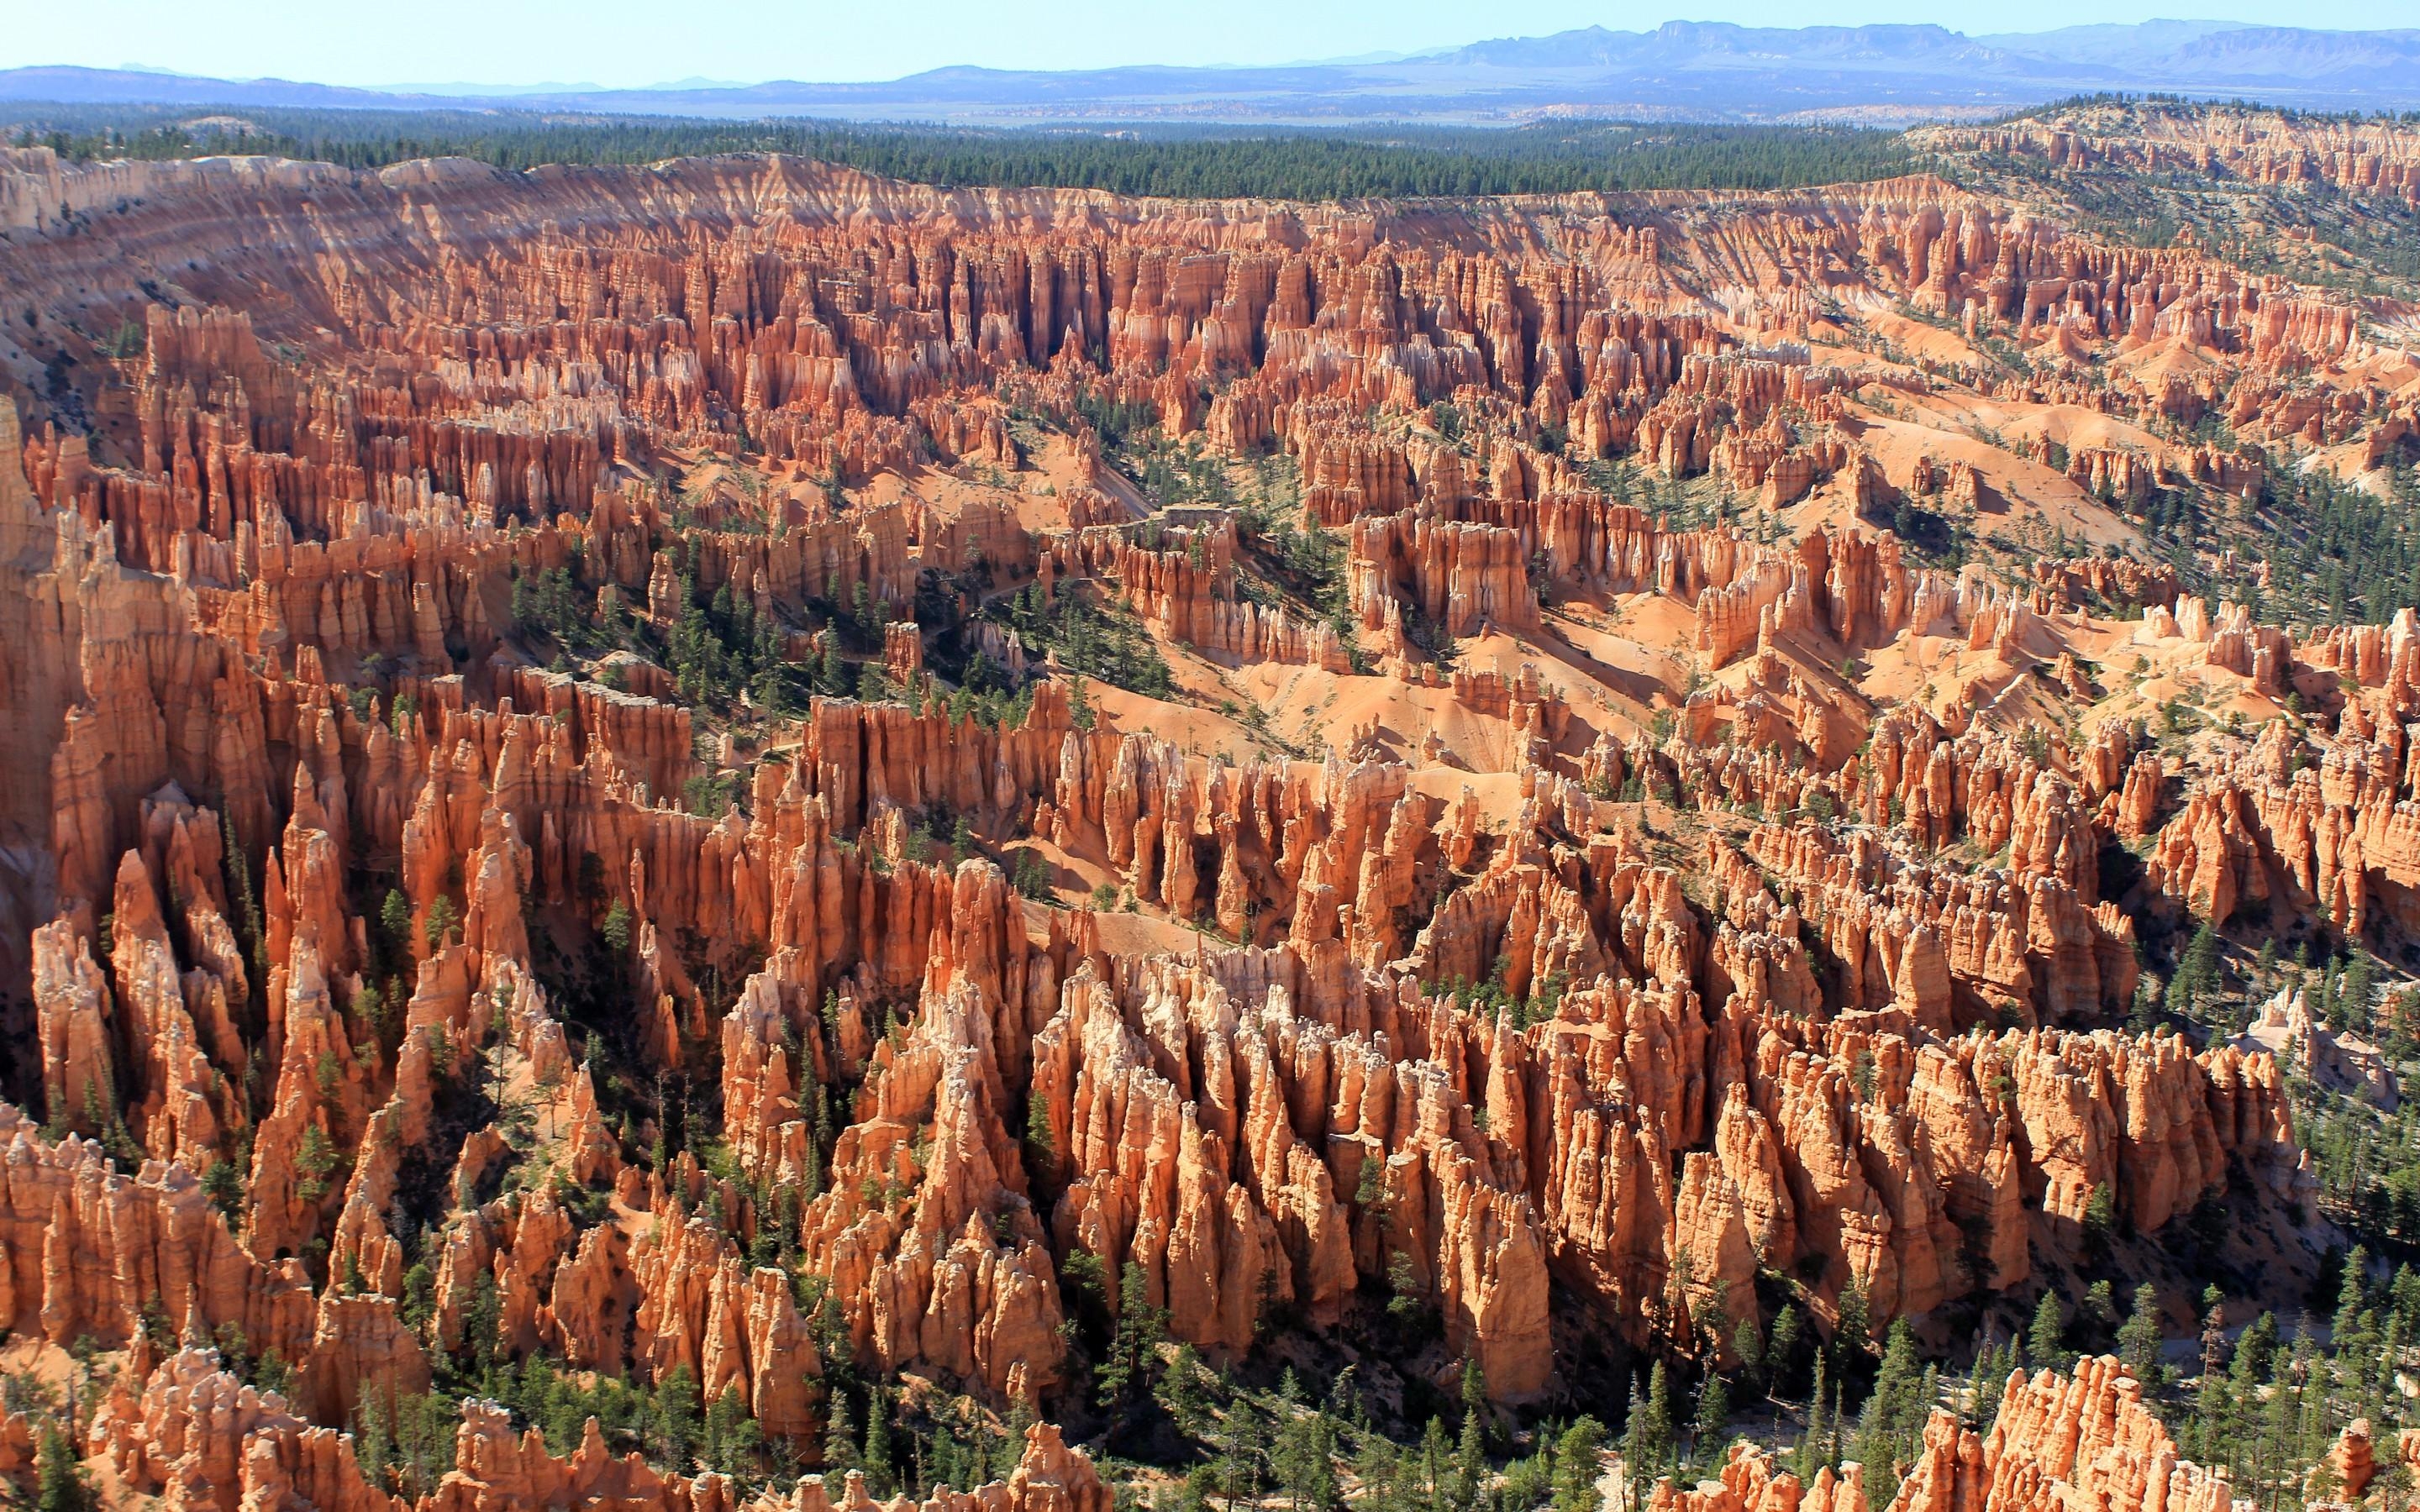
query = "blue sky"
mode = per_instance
[{"x": 635, "y": 42}]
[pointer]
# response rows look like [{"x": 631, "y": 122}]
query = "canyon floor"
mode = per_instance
[{"x": 733, "y": 835}]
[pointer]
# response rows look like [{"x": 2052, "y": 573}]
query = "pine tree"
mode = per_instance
[
  {"x": 1324, "y": 1494},
  {"x": 1039, "y": 1143},
  {"x": 373, "y": 1438},
  {"x": 1647, "y": 1446},
  {"x": 1304, "y": 1453},
  {"x": 1011, "y": 1448},
  {"x": 1629, "y": 1420},
  {"x": 1474, "y": 1393},
  {"x": 2352, "y": 1292},
  {"x": 1895, "y": 1413},
  {"x": 1812, "y": 1452},
  {"x": 1855, "y": 1330},
  {"x": 1576, "y": 1466},
  {"x": 59, "y": 1483},
  {"x": 2145, "y": 1014},
  {"x": 2209, "y": 1403},
  {"x": 875, "y": 1460},
  {"x": 482, "y": 1320},
  {"x": 732, "y": 1436},
  {"x": 1747, "y": 1343},
  {"x": 2138, "y": 1341},
  {"x": 1435, "y": 1465},
  {"x": 1992, "y": 1368},
  {"x": 1469, "y": 1462},
  {"x": 840, "y": 1436},
  {"x": 1781, "y": 1351},
  {"x": 829, "y": 678},
  {"x": 1714, "y": 1416},
  {"x": 2099, "y": 1221},
  {"x": 1380, "y": 1467},
  {"x": 2046, "y": 1340},
  {"x": 1134, "y": 1346},
  {"x": 677, "y": 1417},
  {"x": 2196, "y": 979},
  {"x": 1180, "y": 1393},
  {"x": 2357, "y": 993},
  {"x": 394, "y": 916}
]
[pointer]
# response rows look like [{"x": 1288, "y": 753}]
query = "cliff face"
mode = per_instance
[
  {"x": 2055, "y": 1440},
  {"x": 1373, "y": 853},
  {"x": 188, "y": 1431}
]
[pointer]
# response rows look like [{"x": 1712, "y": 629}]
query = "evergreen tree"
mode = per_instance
[
  {"x": 2145, "y": 1014},
  {"x": 1646, "y": 1447},
  {"x": 1470, "y": 1463},
  {"x": 1380, "y": 1469},
  {"x": 1781, "y": 1351},
  {"x": 2138, "y": 1341},
  {"x": 1474, "y": 1393},
  {"x": 2046, "y": 1339},
  {"x": 1892, "y": 1424},
  {"x": 2352, "y": 1294},
  {"x": 1134, "y": 1347},
  {"x": 676, "y": 1425},
  {"x": 373, "y": 1438},
  {"x": 731, "y": 1437},
  {"x": 2209, "y": 1404},
  {"x": 1576, "y": 1466},
  {"x": 2357, "y": 993},
  {"x": 881, "y": 1479},
  {"x": 394, "y": 916},
  {"x": 2196, "y": 979},
  {"x": 59, "y": 1483},
  {"x": 1855, "y": 1330},
  {"x": 1322, "y": 1493},
  {"x": 2100, "y": 1222},
  {"x": 840, "y": 1436},
  {"x": 1435, "y": 1465},
  {"x": 1011, "y": 1447},
  {"x": 482, "y": 1320},
  {"x": 1813, "y": 1450},
  {"x": 1747, "y": 1343},
  {"x": 1179, "y": 1392},
  {"x": 1994, "y": 1364},
  {"x": 1714, "y": 1416}
]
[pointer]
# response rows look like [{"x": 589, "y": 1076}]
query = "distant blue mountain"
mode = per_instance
[{"x": 1682, "y": 69}]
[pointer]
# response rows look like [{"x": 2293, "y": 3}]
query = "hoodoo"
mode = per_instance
[{"x": 739, "y": 834}]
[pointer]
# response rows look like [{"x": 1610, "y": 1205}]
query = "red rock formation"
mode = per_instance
[
  {"x": 88, "y": 1249},
  {"x": 2056, "y": 1439},
  {"x": 1474, "y": 1031}
]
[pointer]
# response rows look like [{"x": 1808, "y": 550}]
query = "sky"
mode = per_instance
[{"x": 628, "y": 43}]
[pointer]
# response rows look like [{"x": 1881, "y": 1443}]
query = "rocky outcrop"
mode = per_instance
[
  {"x": 85, "y": 1250},
  {"x": 2056, "y": 1439},
  {"x": 1649, "y": 925}
]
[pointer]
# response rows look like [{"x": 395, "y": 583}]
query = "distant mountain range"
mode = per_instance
[{"x": 1682, "y": 70}]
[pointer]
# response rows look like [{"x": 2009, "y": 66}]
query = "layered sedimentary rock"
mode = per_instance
[
  {"x": 2055, "y": 1440},
  {"x": 459, "y": 918},
  {"x": 189, "y": 1431}
]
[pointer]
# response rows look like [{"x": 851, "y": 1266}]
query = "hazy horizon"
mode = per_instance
[{"x": 465, "y": 45}]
